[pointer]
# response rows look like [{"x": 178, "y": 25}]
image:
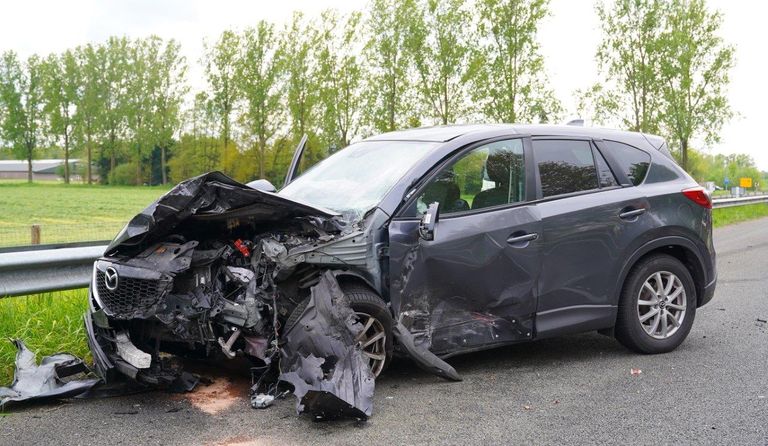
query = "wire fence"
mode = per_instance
[{"x": 43, "y": 234}]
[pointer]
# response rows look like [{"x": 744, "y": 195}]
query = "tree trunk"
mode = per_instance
[
  {"x": 29, "y": 165},
  {"x": 262, "y": 153},
  {"x": 89, "y": 150},
  {"x": 138, "y": 164},
  {"x": 66, "y": 158},
  {"x": 162, "y": 165},
  {"x": 684, "y": 153}
]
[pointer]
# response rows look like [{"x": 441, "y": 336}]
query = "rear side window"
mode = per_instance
[
  {"x": 634, "y": 162},
  {"x": 565, "y": 166}
]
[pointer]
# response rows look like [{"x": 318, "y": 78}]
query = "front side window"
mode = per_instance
[
  {"x": 565, "y": 166},
  {"x": 489, "y": 175}
]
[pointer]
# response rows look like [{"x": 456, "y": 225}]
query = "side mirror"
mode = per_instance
[
  {"x": 263, "y": 185},
  {"x": 429, "y": 221}
]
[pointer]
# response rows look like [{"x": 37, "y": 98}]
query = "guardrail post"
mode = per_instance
[{"x": 35, "y": 234}]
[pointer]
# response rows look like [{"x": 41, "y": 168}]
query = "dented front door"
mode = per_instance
[{"x": 474, "y": 285}]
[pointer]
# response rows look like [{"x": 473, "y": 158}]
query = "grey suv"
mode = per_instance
[{"x": 443, "y": 240}]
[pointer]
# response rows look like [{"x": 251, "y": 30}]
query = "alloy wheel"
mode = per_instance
[
  {"x": 661, "y": 304},
  {"x": 373, "y": 341}
]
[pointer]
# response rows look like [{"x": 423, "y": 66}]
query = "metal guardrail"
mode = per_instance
[
  {"x": 739, "y": 201},
  {"x": 39, "y": 269}
]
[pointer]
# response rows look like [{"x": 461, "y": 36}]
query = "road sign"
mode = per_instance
[{"x": 745, "y": 182}]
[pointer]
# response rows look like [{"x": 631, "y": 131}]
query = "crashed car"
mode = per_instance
[{"x": 430, "y": 242}]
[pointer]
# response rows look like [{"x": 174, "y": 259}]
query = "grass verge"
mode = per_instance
[
  {"x": 735, "y": 214},
  {"x": 47, "y": 323}
]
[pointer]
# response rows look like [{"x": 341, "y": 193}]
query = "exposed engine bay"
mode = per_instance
[{"x": 216, "y": 270}]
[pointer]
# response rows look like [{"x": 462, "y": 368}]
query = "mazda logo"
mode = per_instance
[{"x": 111, "y": 279}]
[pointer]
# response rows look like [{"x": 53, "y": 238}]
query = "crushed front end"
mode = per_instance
[{"x": 214, "y": 269}]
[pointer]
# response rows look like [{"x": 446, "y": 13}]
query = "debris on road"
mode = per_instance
[
  {"x": 57, "y": 376},
  {"x": 635, "y": 372}
]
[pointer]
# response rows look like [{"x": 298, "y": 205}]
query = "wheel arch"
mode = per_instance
[{"x": 680, "y": 248}]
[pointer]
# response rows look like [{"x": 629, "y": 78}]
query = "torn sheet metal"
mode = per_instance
[
  {"x": 52, "y": 378},
  {"x": 209, "y": 195},
  {"x": 425, "y": 359},
  {"x": 468, "y": 290},
  {"x": 321, "y": 357}
]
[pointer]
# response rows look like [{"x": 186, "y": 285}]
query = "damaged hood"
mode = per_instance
[{"x": 210, "y": 195}]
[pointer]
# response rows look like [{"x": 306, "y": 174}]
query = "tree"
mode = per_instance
[
  {"x": 388, "y": 85},
  {"x": 439, "y": 45},
  {"x": 508, "y": 84},
  {"x": 299, "y": 64},
  {"x": 341, "y": 77},
  {"x": 113, "y": 85},
  {"x": 170, "y": 87},
  {"x": 61, "y": 94},
  {"x": 21, "y": 96},
  {"x": 695, "y": 67},
  {"x": 259, "y": 76},
  {"x": 141, "y": 83},
  {"x": 221, "y": 61},
  {"x": 629, "y": 56},
  {"x": 89, "y": 101}
]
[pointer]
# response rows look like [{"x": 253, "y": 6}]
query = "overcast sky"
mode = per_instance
[{"x": 568, "y": 40}]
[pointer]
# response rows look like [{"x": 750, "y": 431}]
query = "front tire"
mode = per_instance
[{"x": 657, "y": 306}]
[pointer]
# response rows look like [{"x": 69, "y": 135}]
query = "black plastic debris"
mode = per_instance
[
  {"x": 322, "y": 360},
  {"x": 425, "y": 359},
  {"x": 55, "y": 377}
]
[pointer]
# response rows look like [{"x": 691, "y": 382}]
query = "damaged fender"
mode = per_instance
[
  {"x": 323, "y": 360},
  {"x": 50, "y": 379}
]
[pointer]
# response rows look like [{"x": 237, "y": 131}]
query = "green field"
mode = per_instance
[{"x": 68, "y": 213}]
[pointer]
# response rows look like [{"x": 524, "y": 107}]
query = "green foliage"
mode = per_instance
[
  {"x": 508, "y": 81},
  {"x": 21, "y": 102},
  {"x": 706, "y": 167},
  {"x": 259, "y": 74},
  {"x": 341, "y": 76},
  {"x": 47, "y": 323},
  {"x": 388, "y": 84},
  {"x": 439, "y": 45},
  {"x": 629, "y": 56},
  {"x": 221, "y": 69},
  {"x": 695, "y": 68},
  {"x": 61, "y": 88},
  {"x": 736, "y": 214},
  {"x": 125, "y": 175},
  {"x": 668, "y": 70}
]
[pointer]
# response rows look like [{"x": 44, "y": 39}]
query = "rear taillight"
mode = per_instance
[{"x": 699, "y": 196}]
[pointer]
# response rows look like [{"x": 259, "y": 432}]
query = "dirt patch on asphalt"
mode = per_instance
[
  {"x": 245, "y": 441},
  {"x": 219, "y": 390}
]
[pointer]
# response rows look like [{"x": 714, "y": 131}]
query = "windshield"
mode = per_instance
[{"x": 355, "y": 179}]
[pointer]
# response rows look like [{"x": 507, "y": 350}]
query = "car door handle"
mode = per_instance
[
  {"x": 531, "y": 236},
  {"x": 626, "y": 215}
]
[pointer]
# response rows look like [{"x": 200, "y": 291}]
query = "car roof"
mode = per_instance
[{"x": 445, "y": 133}]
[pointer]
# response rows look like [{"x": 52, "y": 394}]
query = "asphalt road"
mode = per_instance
[{"x": 579, "y": 389}]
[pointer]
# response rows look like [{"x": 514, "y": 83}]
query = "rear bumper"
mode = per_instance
[{"x": 708, "y": 293}]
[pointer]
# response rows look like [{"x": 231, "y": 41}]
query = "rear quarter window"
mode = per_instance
[{"x": 634, "y": 162}]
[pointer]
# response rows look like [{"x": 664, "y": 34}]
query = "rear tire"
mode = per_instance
[
  {"x": 373, "y": 313},
  {"x": 657, "y": 306}
]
